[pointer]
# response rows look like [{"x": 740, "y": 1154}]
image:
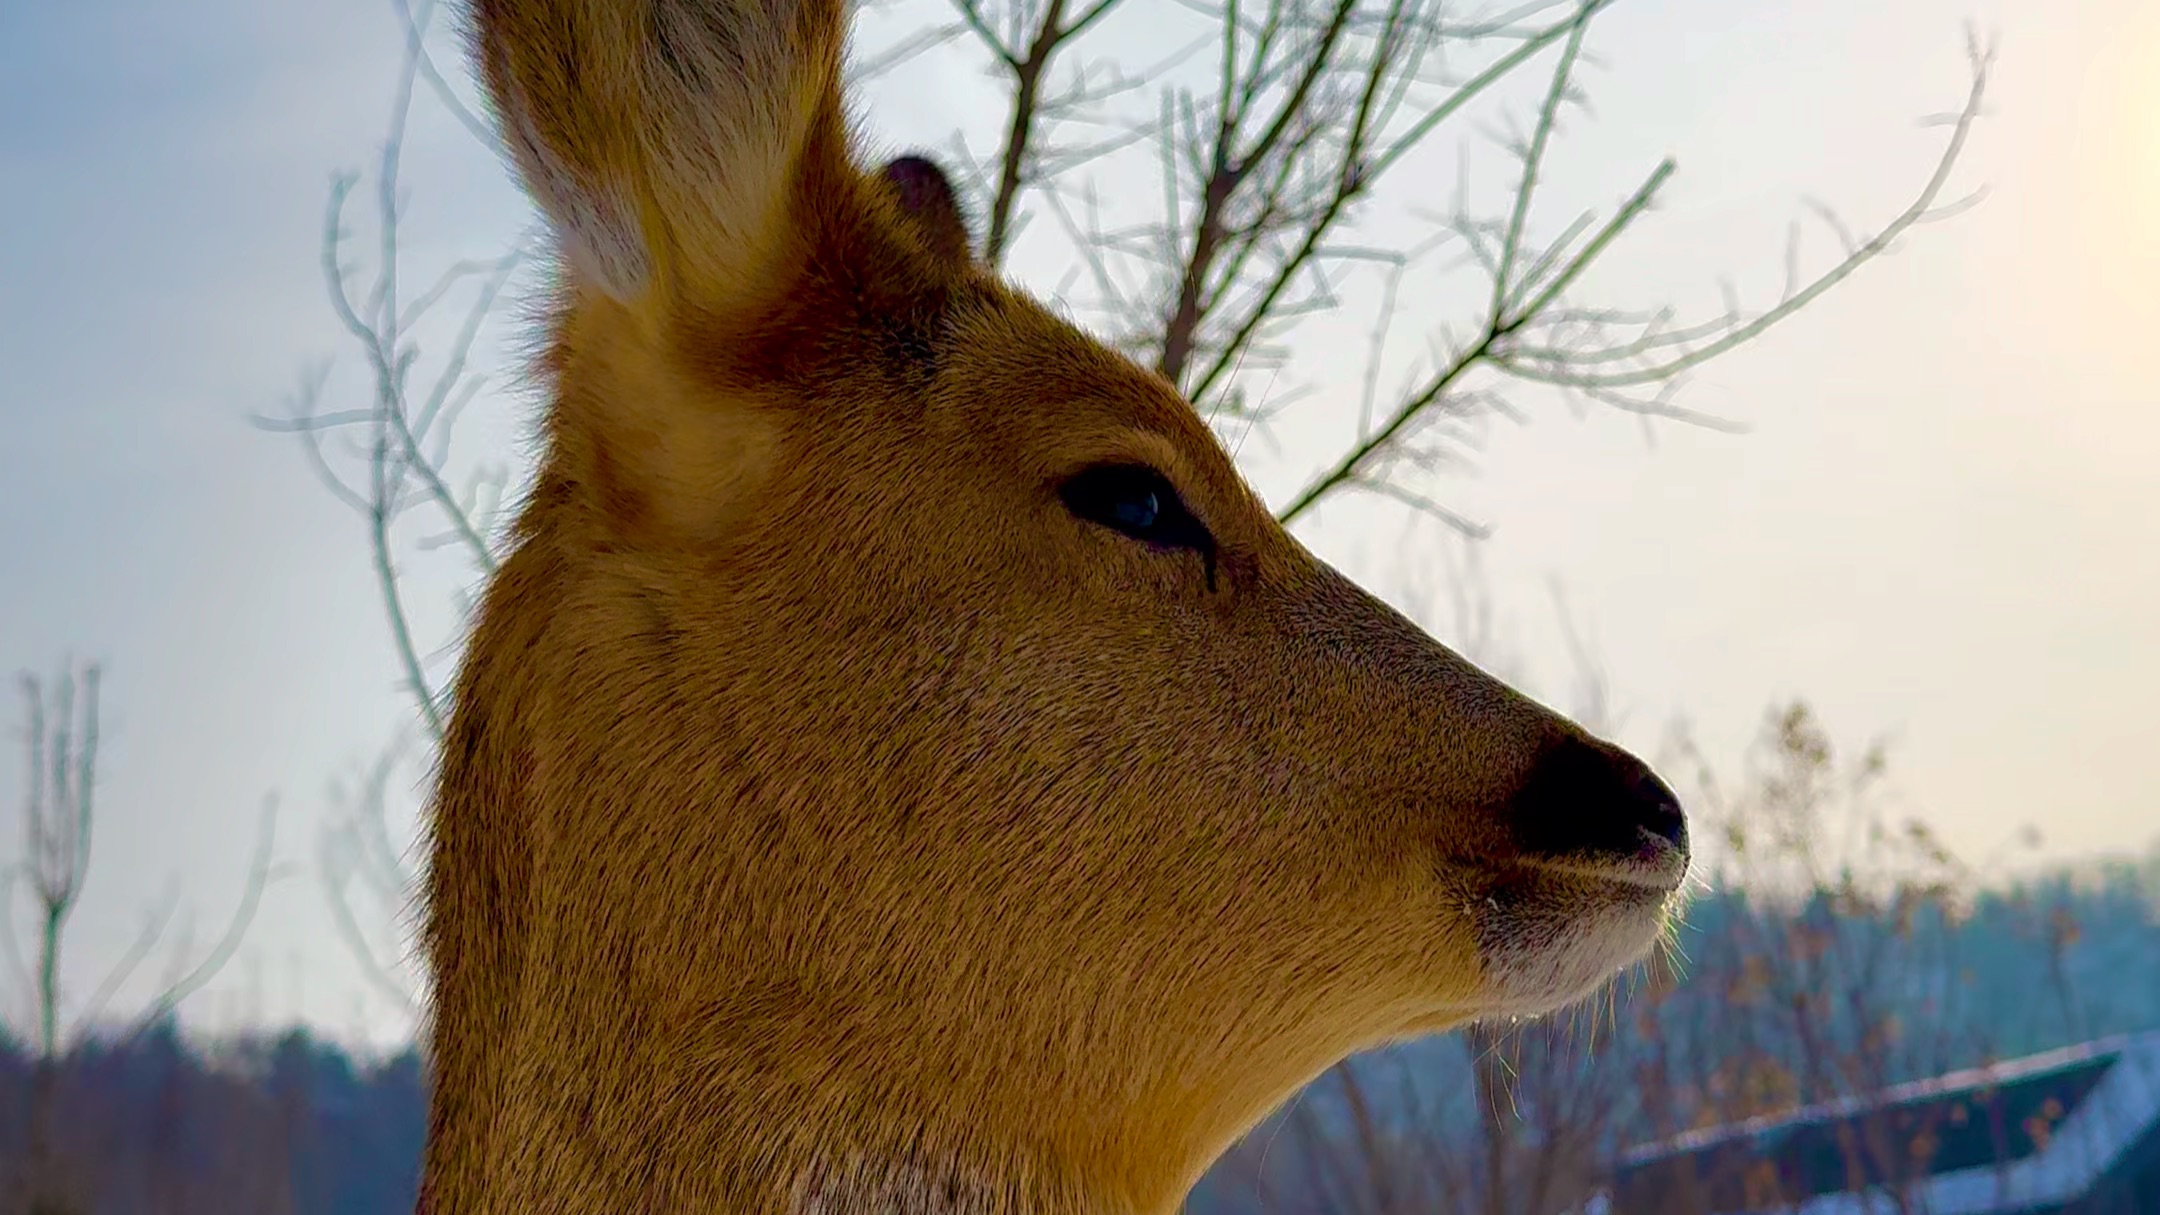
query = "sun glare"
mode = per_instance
[{"x": 2118, "y": 160}]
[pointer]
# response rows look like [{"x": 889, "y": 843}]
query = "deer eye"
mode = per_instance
[{"x": 1138, "y": 502}]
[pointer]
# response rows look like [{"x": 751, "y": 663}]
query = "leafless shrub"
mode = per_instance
[{"x": 58, "y": 818}]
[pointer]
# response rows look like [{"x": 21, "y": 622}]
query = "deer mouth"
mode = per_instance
[
  {"x": 1656, "y": 863},
  {"x": 1554, "y": 931}
]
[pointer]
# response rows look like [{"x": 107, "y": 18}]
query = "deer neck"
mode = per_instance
[
  {"x": 926, "y": 1185},
  {"x": 776, "y": 1163},
  {"x": 726, "y": 1127}
]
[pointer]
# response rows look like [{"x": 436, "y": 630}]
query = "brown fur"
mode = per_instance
[{"x": 830, "y": 820}]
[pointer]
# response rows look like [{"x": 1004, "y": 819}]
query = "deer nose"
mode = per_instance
[{"x": 1587, "y": 800}]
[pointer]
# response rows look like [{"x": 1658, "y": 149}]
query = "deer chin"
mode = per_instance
[{"x": 1552, "y": 935}]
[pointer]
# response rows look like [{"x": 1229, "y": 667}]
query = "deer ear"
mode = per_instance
[
  {"x": 671, "y": 143},
  {"x": 926, "y": 198}
]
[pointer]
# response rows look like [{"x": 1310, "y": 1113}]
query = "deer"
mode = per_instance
[{"x": 899, "y": 765}]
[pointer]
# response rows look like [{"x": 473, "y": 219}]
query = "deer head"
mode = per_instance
[{"x": 901, "y": 766}]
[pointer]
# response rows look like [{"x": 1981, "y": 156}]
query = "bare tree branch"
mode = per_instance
[
  {"x": 58, "y": 820},
  {"x": 1277, "y": 128}
]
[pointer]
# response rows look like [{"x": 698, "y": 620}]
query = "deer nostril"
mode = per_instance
[
  {"x": 1661, "y": 813},
  {"x": 1589, "y": 800}
]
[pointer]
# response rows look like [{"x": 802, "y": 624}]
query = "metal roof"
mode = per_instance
[{"x": 2113, "y": 1089}]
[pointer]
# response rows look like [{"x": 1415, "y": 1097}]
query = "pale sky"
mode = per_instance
[{"x": 1939, "y": 527}]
